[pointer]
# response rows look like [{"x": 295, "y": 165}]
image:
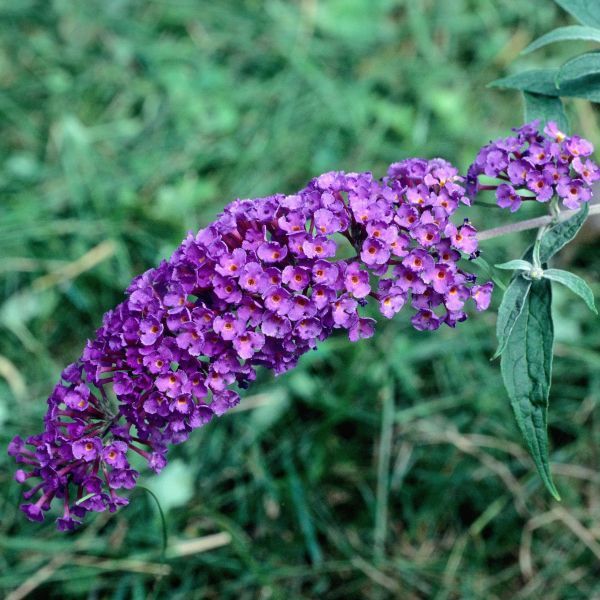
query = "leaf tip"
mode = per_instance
[
  {"x": 528, "y": 49},
  {"x": 547, "y": 478}
]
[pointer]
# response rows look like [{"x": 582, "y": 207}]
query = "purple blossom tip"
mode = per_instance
[{"x": 536, "y": 165}]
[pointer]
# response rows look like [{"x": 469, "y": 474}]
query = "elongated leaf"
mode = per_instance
[
  {"x": 575, "y": 283},
  {"x": 537, "y": 81},
  {"x": 584, "y": 87},
  {"x": 510, "y": 309},
  {"x": 527, "y": 370},
  {"x": 545, "y": 108},
  {"x": 561, "y": 234},
  {"x": 586, "y": 12},
  {"x": 563, "y": 34},
  {"x": 515, "y": 265},
  {"x": 580, "y": 66},
  {"x": 543, "y": 82}
]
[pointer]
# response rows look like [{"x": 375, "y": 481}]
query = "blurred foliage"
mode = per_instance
[{"x": 385, "y": 469}]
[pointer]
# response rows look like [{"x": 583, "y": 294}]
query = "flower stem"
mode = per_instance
[{"x": 489, "y": 234}]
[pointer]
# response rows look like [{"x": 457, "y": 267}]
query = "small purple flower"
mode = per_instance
[
  {"x": 440, "y": 277},
  {"x": 425, "y": 320},
  {"x": 537, "y": 154},
  {"x": 327, "y": 222},
  {"x": 171, "y": 383},
  {"x": 275, "y": 326},
  {"x": 150, "y": 330},
  {"x": 296, "y": 278},
  {"x": 230, "y": 265},
  {"x": 77, "y": 397},
  {"x": 226, "y": 289},
  {"x": 374, "y": 252},
  {"x": 496, "y": 162},
  {"x": 228, "y": 326},
  {"x": 552, "y": 131},
  {"x": 252, "y": 278},
  {"x": 418, "y": 260},
  {"x": 408, "y": 280},
  {"x": 182, "y": 404},
  {"x": 456, "y": 296},
  {"x": 324, "y": 272},
  {"x": 518, "y": 170},
  {"x": 344, "y": 312},
  {"x": 382, "y": 231},
  {"x": 508, "y": 198},
  {"x": 66, "y": 523},
  {"x": 322, "y": 296},
  {"x": 248, "y": 344},
  {"x": 271, "y": 252},
  {"x": 537, "y": 183},
  {"x": 175, "y": 300},
  {"x": 400, "y": 246},
  {"x": 87, "y": 449},
  {"x": 115, "y": 455},
  {"x": 308, "y": 329},
  {"x": 392, "y": 302},
  {"x": 319, "y": 247},
  {"x": 588, "y": 170},
  {"x": 577, "y": 146},
  {"x": 122, "y": 478},
  {"x": 427, "y": 234},
  {"x": 277, "y": 299},
  {"x": 32, "y": 511},
  {"x": 301, "y": 307},
  {"x": 224, "y": 401},
  {"x": 157, "y": 404},
  {"x": 407, "y": 216},
  {"x": 363, "y": 328},
  {"x": 573, "y": 192},
  {"x": 482, "y": 294},
  {"x": 357, "y": 281},
  {"x": 465, "y": 238}
]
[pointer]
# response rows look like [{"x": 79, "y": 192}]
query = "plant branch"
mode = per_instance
[{"x": 488, "y": 234}]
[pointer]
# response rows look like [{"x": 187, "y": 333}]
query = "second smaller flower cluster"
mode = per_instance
[{"x": 536, "y": 165}]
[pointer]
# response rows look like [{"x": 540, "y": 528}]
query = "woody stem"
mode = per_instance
[{"x": 489, "y": 234}]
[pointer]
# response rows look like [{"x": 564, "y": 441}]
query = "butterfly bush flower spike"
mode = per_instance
[
  {"x": 260, "y": 286},
  {"x": 536, "y": 165}
]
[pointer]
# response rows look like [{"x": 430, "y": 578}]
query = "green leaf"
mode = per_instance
[
  {"x": 543, "y": 82},
  {"x": 510, "y": 308},
  {"x": 580, "y": 66},
  {"x": 515, "y": 265},
  {"x": 563, "y": 34},
  {"x": 545, "y": 108},
  {"x": 537, "y": 81},
  {"x": 585, "y": 11},
  {"x": 561, "y": 234},
  {"x": 575, "y": 283},
  {"x": 526, "y": 366},
  {"x": 584, "y": 87}
]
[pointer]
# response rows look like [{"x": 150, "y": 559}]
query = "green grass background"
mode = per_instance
[{"x": 386, "y": 469}]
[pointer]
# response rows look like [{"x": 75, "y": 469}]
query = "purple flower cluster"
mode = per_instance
[
  {"x": 540, "y": 164},
  {"x": 262, "y": 285}
]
